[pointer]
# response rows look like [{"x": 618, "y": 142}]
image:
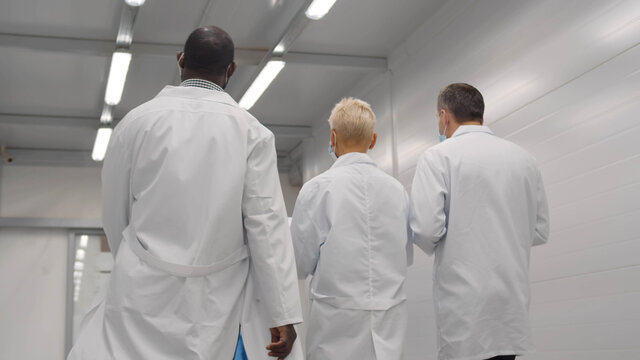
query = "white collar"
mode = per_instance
[
  {"x": 353, "y": 158},
  {"x": 465, "y": 129},
  {"x": 197, "y": 93}
]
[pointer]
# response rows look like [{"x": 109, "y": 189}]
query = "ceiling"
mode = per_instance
[{"x": 55, "y": 55}]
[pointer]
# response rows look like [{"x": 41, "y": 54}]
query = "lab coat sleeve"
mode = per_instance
[
  {"x": 541, "y": 234},
  {"x": 305, "y": 232},
  {"x": 116, "y": 171},
  {"x": 268, "y": 236},
  {"x": 427, "y": 215}
]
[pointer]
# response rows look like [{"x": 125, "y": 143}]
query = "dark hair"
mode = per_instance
[
  {"x": 208, "y": 50},
  {"x": 463, "y": 101}
]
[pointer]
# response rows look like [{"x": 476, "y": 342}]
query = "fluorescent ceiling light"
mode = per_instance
[
  {"x": 78, "y": 266},
  {"x": 106, "y": 116},
  {"x": 117, "y": 76},
  {"x": 134, "y": 3},
  {"x": 261, "y": 83},
  {"x": 84, "y": 239},
  {"x": 319, "y": 8},
  {"x": 100, "y": 146},
  {"x": 80, "y": 254},
  {"x": 279, "y": 49}
]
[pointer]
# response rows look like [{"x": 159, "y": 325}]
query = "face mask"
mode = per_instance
[
  {"x": 331, "y": 153},
  {"x": 442, "y": 137}
]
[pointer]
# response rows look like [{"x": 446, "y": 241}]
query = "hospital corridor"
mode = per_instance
[{"x": 320, "y": 179}]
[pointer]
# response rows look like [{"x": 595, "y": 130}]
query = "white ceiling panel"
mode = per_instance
[
  {"x": 372, "y": 27},
  {"x": 167, "y": 22},
  {"x": 64, "y": 80},
  {"x": 148, "y": 74},
  {"x": 301, "y": 93},
  {"x": 239, "y": 80},
  {"x": 51, "y": 83},
  {"x": 255, "y": 24},
  {"x": 61, "y": 18},
  {"x": 284, "y": 144},
  {"x": 48, "y": 137}
]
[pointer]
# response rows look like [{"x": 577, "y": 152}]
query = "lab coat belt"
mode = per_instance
[
  {"x": 186, "y": 270},
  {"x": 355, "y": 303}
]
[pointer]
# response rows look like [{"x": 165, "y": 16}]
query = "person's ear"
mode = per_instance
[
  {"x": 332, "y": 138},
  {"x": 374, "y": 138},
  {"x": 180, "y": 58},
  {"x": 232, "y": 69}
]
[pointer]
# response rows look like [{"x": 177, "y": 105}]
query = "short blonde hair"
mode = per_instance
[{"x": 353, "y": 119}]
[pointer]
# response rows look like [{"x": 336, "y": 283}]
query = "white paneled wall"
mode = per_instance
[
  {"x": 33, "y": 275},
  {"x": 289, "y": 192},
  {"x": 50, "y": 192},
  {"x": 33, "y": 262},
  {"x": 562, "y": 79}
]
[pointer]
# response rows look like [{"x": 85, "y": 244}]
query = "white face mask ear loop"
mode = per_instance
[
  {"x": 331, "y": 151},
  {"x": 178, "y": 63},
  {"x": 226, "y": 77}
]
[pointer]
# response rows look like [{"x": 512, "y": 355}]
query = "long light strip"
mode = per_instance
[
  {"x": 117, "y": 76},
  {"x": 134, "y": 2},
  {"x": 106, "y": 117},
  {"x": 84, "y": 240},
  {"x": 319, "y": 8},
  {"x": 100, "y": 145},
  {"x": 261, "y": 83}
]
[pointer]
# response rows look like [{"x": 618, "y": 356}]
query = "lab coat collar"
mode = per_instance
[
  {"x": 353, "y": 158},
  {"x": 466, "y": 129},
  {"x": 197, "y": 93}
]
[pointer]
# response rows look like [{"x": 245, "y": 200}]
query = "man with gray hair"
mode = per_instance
[
  {"x": 350, "y": 232},
  {"x": 479, "y": 204}
]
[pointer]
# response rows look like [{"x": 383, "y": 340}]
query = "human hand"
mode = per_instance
[{"x": 282, "y": 339}]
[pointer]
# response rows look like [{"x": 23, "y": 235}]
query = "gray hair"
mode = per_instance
[{"x": 463, "y": 101}]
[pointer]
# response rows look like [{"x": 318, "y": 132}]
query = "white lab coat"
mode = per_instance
[
  {"x": 193, "y": 177},
  {"x": 478, "y": 202},
  {"x": 350, "y": 231}
]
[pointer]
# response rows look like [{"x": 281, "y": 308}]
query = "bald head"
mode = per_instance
[{"x": 207, "y": 54}]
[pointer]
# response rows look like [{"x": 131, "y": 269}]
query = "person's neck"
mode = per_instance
[
  {"x": 216, "y": 79},
  {"x": 352, "y": 149},
  {"x": 456, "y": 125}
]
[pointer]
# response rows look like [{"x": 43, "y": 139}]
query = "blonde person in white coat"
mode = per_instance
[
  {"x": 350, "y": 232},
  {"x": 479, "y": 204},
  {"x": 194, "y": 215}
]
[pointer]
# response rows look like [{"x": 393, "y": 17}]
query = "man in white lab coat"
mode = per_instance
[
  {"x": 194, "y": 215},
  {"x": 479, "y": 204},
  {"x": 350, "y": 231}
]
